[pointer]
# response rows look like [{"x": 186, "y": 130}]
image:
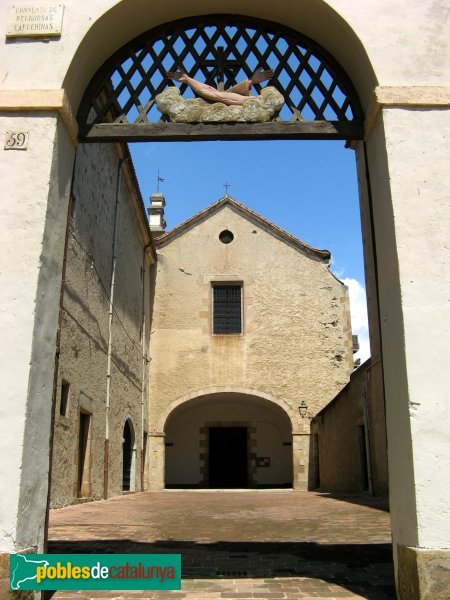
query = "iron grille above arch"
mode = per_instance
[{"x": 221, "y": 50}]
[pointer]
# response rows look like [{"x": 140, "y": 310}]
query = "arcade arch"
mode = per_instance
[
  {"x": 228, "y": 439},
  {"x": 111, "y": 29}
]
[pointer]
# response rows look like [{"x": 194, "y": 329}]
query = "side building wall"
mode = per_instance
[
  {"x": 348, "y": 437},
  {"x": 105, "y": 228}
]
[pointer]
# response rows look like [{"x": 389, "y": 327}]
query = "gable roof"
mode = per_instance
[{"x": 247, "y": 213}]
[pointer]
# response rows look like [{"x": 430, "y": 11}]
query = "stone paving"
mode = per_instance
[{"x": 240, "y": 544}]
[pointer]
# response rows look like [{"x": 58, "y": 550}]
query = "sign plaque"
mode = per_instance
[
  {"x": 35, "y": 20},
  {"x": 16, "y": 140}
]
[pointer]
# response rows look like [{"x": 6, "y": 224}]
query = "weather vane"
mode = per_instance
[
  {"x": 159, "y": 178},
  {"x": 226, "y": 185}
]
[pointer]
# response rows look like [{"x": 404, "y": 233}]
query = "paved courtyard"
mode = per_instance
[{"x": 240, "y": 544}]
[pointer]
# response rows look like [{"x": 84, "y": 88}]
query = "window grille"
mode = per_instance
[{"x": 227, "y": 317}]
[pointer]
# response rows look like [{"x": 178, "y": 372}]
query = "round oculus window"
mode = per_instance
[{"x": 226, "y": 237}]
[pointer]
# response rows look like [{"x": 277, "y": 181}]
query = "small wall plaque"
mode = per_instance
[
  {"x": 35, "y": 20},
  {"x": 16, "y": 140}
]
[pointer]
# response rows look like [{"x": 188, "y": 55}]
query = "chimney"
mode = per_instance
[{"x": 156, "y": 212}]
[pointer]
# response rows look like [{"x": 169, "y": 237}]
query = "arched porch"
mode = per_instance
[{"x": 228, "y": 440}]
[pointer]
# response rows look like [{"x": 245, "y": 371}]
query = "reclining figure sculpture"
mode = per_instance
[
  {"x": 234, "y": 96},
  {"x": 212, "y": 105}
]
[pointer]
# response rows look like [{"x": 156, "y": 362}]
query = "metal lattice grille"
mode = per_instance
[
  {"x": 221, "y": 50},
  {"x": 227, "y": 309}
]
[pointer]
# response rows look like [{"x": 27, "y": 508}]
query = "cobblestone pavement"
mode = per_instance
[{"x": 245, "y": 544}]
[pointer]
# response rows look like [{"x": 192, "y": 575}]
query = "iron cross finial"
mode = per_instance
[
  {"x": 226, "y": 185},
  {"x": 222, "y": 67}
]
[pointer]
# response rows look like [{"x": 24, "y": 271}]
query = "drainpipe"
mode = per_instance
[
  {"x": 144, "y": 361},
  {"x": 110, "y": 322}
]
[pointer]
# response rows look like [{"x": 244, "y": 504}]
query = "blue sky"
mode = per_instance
[{"x": 308, "y": 188}]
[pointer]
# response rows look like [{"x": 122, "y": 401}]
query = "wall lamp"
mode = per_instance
[{"x": 303, "y": 409}]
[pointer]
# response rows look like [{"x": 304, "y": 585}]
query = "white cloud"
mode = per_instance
[{"x": 358, "y": 310}]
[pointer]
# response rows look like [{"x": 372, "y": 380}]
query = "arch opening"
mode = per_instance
[
  {"x": 228, "y": 440},
  {"x": 221, "y": 425},
  {"x": 220, "y": 50},
  {"x": 128, "y": 457},
  {"x": 132, "y": 68}
]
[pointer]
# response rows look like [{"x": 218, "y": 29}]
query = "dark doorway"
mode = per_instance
[
  {"x": 228, "y": 457},
  {"x": 128, "y": 448}
]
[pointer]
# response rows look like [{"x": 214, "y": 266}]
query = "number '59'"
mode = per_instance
[{"x": 16, "y": 140}]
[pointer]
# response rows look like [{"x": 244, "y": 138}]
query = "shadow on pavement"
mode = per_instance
[
  {"x": 364, "y": 569},
  {"x": 377, "y": 503}
]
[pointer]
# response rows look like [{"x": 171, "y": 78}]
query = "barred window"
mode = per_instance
[{"x": 227, "y": 309}]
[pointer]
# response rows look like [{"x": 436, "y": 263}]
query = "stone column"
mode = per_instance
[
  {"x": 156, "y": 459},
  {"x": 408, "y": 151},
  {"x": 35, "y": 193}
]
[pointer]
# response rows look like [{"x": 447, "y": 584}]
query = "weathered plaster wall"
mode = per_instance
[
  {"x": 348, "y": 30},
  {"x": 32, "y": 238},
  {"x": 410, "y": 199},
  {"x": 84, "y": 339},
  {"x": 338, "y": 429},
  {"x": 415, "y": 312},
  {"x": 296, "y": 341}
]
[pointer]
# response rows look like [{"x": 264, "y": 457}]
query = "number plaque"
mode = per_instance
[{"x": 16, "y": 140}]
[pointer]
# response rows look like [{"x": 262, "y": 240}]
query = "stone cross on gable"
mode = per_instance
[{"x": 221, "y": 67}]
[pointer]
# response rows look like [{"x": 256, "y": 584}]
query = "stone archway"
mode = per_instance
[
  {"x": 318, "y": 99},
  {"x": 317, "y": 20},
  {"x": 197, "y": 427},
  {"x": 408, "y": 189}
]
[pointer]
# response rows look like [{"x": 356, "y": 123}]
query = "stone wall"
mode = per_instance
[
  {"x": 348, "y": 441},
  {"x": 296, "y": 342},
  {"x": 85, "y": 326}
]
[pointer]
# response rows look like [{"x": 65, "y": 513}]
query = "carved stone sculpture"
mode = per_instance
[{"x": 220, "y": 106}]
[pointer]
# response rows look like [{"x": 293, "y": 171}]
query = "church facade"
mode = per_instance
[{"x": 248, "y": 324}]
